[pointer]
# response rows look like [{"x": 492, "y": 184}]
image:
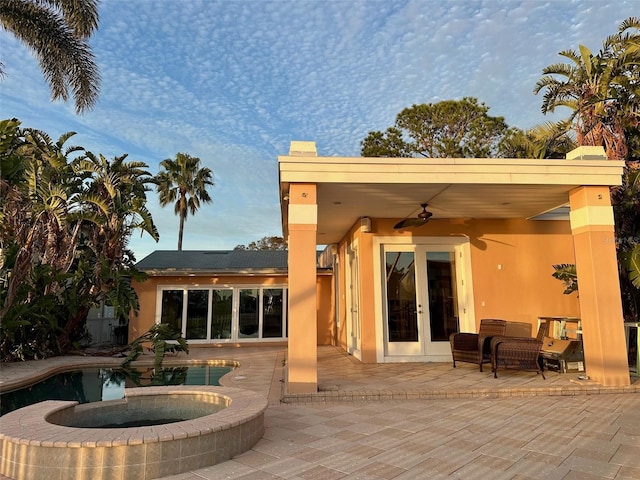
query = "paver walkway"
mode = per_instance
[{"x": 424, "y": 421}]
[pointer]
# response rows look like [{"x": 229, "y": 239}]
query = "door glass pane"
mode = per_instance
[
  {"x": 222, "y": 310},
  {"x": 172, "y": 301},
  {"x": 197, "y": 308},
  {"x": 248, "y": 313},
  {"x": 443, "y": 305},
  {"x": 402, "y": 318},
  {"x": 272, "y": 313}
]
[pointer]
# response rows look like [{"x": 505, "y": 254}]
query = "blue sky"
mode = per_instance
[{"x": 233, "y": 82}]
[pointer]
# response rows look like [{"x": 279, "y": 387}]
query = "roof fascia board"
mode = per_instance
[{"x": 461, "y": 171}]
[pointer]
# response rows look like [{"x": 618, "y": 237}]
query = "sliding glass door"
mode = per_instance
[{"x": 225, "y": 314}]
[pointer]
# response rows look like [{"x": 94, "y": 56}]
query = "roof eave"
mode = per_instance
[{"x": 176, "y": 272}]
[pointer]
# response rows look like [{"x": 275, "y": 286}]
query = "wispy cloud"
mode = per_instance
[{"x": 234, "y": 82}]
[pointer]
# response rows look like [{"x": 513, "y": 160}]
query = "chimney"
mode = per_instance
[
  {"x": 587, "y": 153},
  {"x": 303, "y": 149}
]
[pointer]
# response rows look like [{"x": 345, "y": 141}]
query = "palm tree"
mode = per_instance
[
  {"x": 112, "y": 202},
  {"x": 184, "y": 182},
  {"x": 546, "y": 140},
  {"x": 601, "y": 90},
  {"x": 56, "y": 32},
  {"x": 66, "y": 216},
  {"x": 36, "y": 203}
]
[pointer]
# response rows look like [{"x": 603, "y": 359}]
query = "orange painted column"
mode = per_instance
[
  {"x": 302, "y": 358},
  {"x": 603, "y": 336}
]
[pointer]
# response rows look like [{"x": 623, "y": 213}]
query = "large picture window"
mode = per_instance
[{"x": 225, "y": 314}]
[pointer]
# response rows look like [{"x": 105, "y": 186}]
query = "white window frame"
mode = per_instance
[{"x": 235, "y": 334}]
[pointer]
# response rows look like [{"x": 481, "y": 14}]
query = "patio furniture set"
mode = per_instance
[{"x": 501, "y": 343}]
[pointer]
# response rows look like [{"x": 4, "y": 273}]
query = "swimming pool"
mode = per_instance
[{"x": 102, "y": 384}]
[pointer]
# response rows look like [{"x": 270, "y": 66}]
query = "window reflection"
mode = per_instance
[
  {"x": 272, "y": 318},
  {"x": 172, "y": 308},
  {"x": 401, "y": 297},
  {"x": 222, "y": 306},
  {"x": 248, "y": 313},
  {"x": 197, "y": 309}
]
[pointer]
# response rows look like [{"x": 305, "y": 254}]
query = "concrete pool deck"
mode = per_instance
[{"x": 416, "y": 420}]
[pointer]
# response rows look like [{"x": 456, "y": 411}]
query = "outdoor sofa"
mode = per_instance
[
  {"x": 520, "y": 353},
  {"x": 476, "y": 347}
]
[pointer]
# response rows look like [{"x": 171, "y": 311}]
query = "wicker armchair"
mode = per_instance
[
  {"x": 520, "y": 353},
  {"x": 476, "y": 347}
]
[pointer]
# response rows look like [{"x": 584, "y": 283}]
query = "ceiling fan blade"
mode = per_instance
[
  {"x": 411, "y": 222},
  {"x": 423, "y": 217}
]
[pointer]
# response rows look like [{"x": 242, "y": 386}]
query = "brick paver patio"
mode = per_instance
[{"x": 420, "y": 421}]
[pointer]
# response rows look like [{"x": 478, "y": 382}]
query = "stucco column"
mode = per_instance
[
  {"x": 598, "y": 286},
  {"x": 302, "y": 359}
]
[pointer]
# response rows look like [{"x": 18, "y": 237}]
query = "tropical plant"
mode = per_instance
[
  {"x": 65, "y": 219},
  {"x": 626, "y": 208},
  {"x": 547, "y": 140},
  {"x": 601, "y": 90},
  {"x": 113, "y": 202},
  {"x": 451, "y": 128},
  {"x": 603, "y": 93},
  {"x": 182, "y": 180},
  {"x": 160, "y": 339},
  {"x": 566, "y": 273},
  {"x": 56, "y": 32}
]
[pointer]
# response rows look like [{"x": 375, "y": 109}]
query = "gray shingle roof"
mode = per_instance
[{"x": 214, "y": 261}]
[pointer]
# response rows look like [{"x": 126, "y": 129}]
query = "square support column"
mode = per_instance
[
  {"x": 302, "y": 361},
  {"x": 592, "y": 225}
]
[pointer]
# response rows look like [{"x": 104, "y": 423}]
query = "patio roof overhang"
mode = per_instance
[{"x": 352, "y": 187}]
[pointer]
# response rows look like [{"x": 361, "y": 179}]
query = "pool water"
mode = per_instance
[{"x": 99, "y": 384}]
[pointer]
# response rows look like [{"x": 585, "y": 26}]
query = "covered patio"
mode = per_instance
[{"x": 334, "y": 201}]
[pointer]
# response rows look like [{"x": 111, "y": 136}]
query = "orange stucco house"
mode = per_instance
[{"x": 388, "y": 294}]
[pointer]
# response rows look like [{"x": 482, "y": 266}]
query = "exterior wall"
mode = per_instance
[
  {"x": 511, "y": 269},
  {"x": 326, "y": 310},
  {"x": 366, "y": 300}
]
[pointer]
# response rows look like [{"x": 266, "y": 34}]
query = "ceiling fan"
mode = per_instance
[{"x": 422, "y": 218}]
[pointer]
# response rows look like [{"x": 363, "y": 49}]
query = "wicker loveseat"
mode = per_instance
[
  {"x": 520, "y": 353},
  {"x": 476, "y": 347}
]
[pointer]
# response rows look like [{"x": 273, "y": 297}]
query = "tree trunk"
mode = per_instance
[
  {"x": 180, "y": 231},
  {"x": 72, "y": 325}
]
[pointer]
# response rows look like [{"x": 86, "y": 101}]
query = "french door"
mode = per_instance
[{"x": 421, "y": 299}]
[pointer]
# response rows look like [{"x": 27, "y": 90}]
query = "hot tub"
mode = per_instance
[{"x": 59, "y": 439}]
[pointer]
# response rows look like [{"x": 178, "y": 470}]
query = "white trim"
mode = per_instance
[
  {"x": 303, "y": 214},
  {"x": 417, "y": 358},
  {"x": 591, "y": 215}
]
